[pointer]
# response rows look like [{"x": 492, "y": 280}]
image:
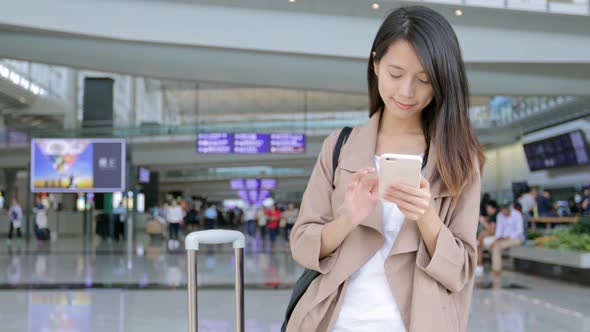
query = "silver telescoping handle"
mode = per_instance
[{"x": 214, "y": 236}]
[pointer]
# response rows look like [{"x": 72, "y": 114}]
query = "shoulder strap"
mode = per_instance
[{"x": 336, "y": 155}]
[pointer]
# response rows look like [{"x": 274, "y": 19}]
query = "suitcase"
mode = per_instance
[{"x": 214, "y": 236}]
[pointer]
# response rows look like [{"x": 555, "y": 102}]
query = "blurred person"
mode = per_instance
[
  {"x": 41, "y": 229},
  {"x": 273, "y": 216},
  {"x": 528, "y": 202},
  {"x": 290, "y": 216},
  {"x": 518, "y": 207},
  {"x": 221, "y": 216},
  {"x": 120, "y": 215},
  {"x": 15, "y": 216},
  {"x": 210, "y": 216},
  {"x": 174, "y": 217},
  {"x": 509, "y": 233},
  {"x": 487, "y": 235},
  {"x": 191, "y": 218},
  {"x": 262, "y": 220},
  {"x": 407, "y": 263},
  {"x": 483, "y": 204},
  {"x": 249, "y": 217},
  {"x": 545, "y": 204},
  {"x": 573, "y": 206}
]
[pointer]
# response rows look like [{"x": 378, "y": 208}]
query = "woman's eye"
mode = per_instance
[
  {"x": 395, "y": 76},
  {"x": 424, "y": 81}
]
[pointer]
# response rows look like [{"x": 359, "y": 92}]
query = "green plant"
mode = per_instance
[
  {"x": 582, "y": 227},
  {"x": 569, "y": 239},
  {"x": 532, "y": 235}
]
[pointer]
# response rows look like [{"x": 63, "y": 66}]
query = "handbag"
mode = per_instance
[{"x": 308, "y": 275}]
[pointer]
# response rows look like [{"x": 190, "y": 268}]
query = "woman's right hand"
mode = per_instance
[{"x": 362, "y": 195}]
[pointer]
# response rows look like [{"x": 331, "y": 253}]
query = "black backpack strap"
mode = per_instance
[
  {"x": 309, "y": 275},
  {"x": 336, "y": 155}
]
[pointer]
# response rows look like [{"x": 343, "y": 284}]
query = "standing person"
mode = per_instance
[
  {"x": 545, "y": 204},
  {"x": 15, "y": 215},
  {"x": 174, "y": 217},
  {"x": 273, "y": 216},
  {"x": 528, "y": 203},
  {"x": 290, "y": 215},
  {"x": 191, "y": 218},
  {"x": 404, "y": 262},
  {"x": 41, "y": 230},
  {"x": 210, "y": 216},
  {"x": 262, "y": 222},
  {"x": 249, "y": 217}
]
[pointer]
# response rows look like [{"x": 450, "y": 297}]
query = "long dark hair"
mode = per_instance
[{"x": 445, "y": 120}]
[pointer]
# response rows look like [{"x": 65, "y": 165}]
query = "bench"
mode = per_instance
[{"x": 551, "y": 221}]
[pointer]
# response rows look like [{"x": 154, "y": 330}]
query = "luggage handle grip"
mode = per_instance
[{"x": 214, "y": 236}]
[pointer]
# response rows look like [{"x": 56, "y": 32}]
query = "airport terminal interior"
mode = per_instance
[{"x": 126, "y": 125}]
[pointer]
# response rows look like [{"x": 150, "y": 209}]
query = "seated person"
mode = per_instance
[
  {"x": 509, "y": 233},
  {"x": 487, "y": 233}
]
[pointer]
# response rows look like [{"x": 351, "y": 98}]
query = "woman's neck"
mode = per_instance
[{"x": 391, "y": 126}]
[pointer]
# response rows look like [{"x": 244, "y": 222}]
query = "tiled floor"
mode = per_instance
[{"x": 145, "y": 291}]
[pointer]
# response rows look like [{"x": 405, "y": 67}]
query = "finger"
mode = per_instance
[
  {"x": 410, "y": 215},
  {"x": 420, "y": 202},
  {"x": 404, "y": 190},
  {"x": 358, "y": 176},
  {"x": 424, "y": 184},
  {"x": 409, "y": 207},
  {"x": 370, "y": 181}
]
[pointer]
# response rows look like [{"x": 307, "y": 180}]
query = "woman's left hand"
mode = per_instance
[{"x": 413, "y": 202}]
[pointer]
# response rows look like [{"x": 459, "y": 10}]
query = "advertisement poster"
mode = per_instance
[{"x": 77, "y": 165}]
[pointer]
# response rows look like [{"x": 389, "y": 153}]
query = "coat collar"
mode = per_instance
[{"x": 359, "y": 152}]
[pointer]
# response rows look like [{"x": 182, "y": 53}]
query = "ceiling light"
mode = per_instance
[
  {"x": 459, "y": 12},
  {"x": 375, "y": 6},
  {"x": 291, "y": 1}
]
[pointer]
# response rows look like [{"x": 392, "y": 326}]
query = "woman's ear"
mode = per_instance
[{"x": 375, "y": 64}]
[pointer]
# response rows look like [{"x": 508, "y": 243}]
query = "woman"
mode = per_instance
[{"x": 405, "y": 263}]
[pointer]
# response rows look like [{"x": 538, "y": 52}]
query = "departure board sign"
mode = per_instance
[
  {"x": 215, "y": 143},
  {"x": 559, "y": 151},
  {"x": 254, "y": 197},
  {"x": 251, "y": 143},
  {"x": 287, "y": 143},
  {"x": 253, "y": 184},
  {"x": 77, "y": 165}
]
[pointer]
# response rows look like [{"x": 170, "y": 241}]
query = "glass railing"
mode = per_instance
[
  {"x": 572, "y": 7},
  {"x": 234, "y": 172},
  {"x": 38, "y": 79},
  {"x": 503, "y": 111},
  {"x": 500, "y": 112}
]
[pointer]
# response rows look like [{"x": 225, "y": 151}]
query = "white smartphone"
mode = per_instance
[{"x": 401, "y": 168}]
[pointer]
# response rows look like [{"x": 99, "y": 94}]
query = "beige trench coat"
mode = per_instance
[{"x": 432, "y": 293}]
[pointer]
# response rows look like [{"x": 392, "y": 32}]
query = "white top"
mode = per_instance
[
  {"x": 174, "y": 214},
  {"x": 528, "y": 202},
  {"x": 250, "y": 213},
  {"x": 511, "y": 226},
  {"x": 368, "y": 303}
]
